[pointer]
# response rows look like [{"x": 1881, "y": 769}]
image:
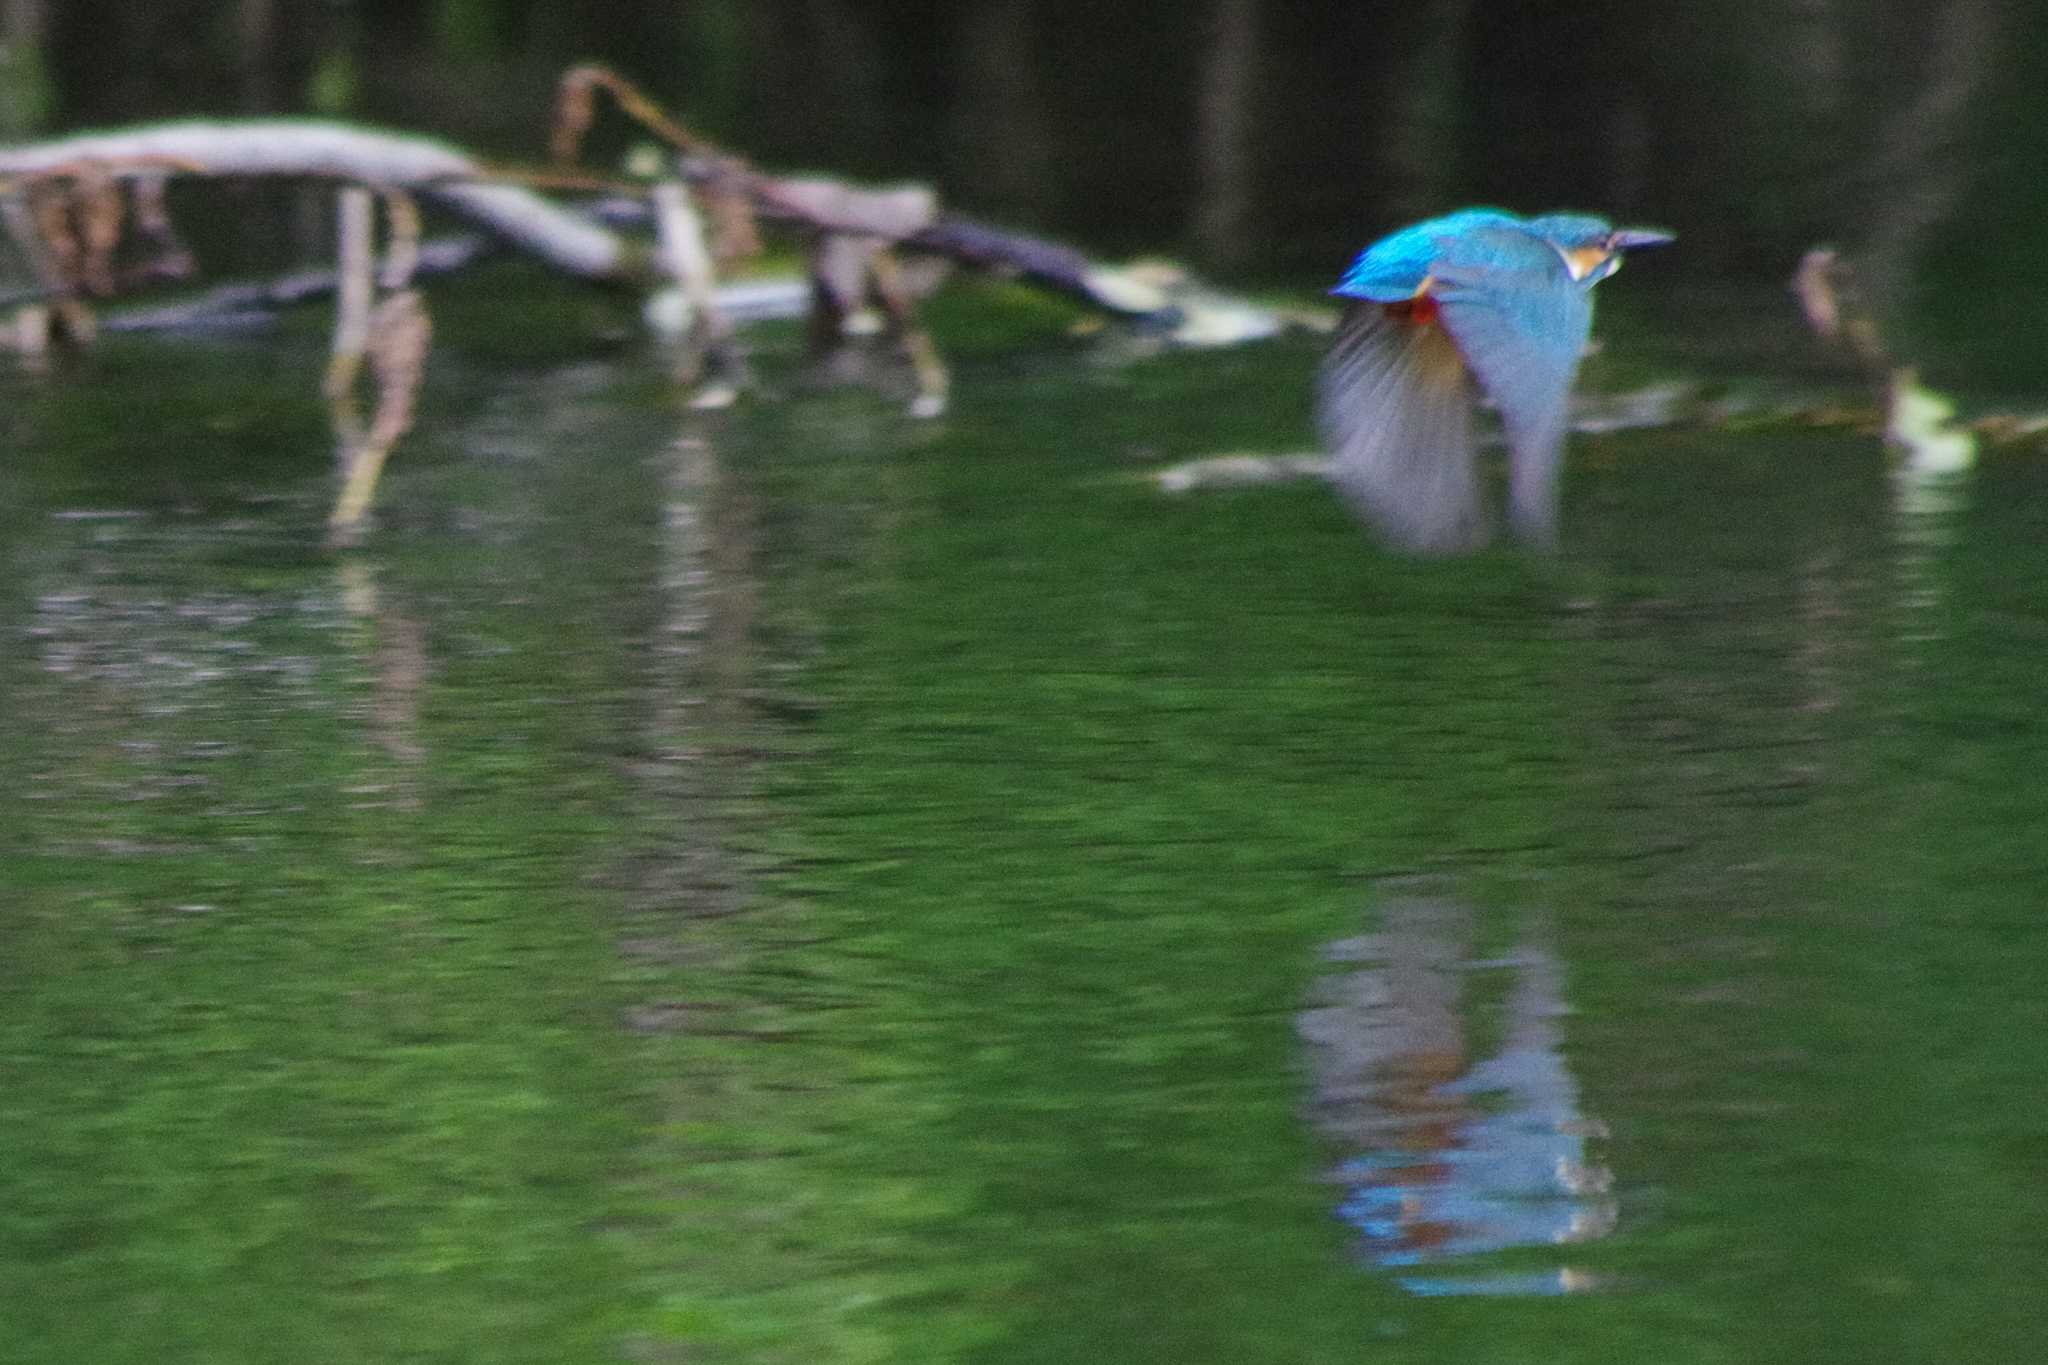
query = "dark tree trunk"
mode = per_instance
[
  {"x": 1224, "y": 133},
  {"x": 1919, "y": 168},
  {"x": 256, "y": 55},
  {"x": 1002, "y": 150},
  {"x": 1422, "y": 121},
  {"x": 25, "y": 93}
]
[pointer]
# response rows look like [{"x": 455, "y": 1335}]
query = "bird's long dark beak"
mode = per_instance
[{"x": 1634, "y": 239}]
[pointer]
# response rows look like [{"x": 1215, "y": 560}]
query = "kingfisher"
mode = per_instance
[{"x": 1477, "y": 303}]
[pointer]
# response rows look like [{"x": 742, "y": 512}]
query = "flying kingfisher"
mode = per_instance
[{"x": 1478, "y": 302}]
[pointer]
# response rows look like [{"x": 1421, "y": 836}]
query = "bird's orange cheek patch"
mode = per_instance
[{"x": 1583, "y": 261}]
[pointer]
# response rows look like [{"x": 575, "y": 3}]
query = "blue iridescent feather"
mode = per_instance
[{"x": 1394, "y": 267}]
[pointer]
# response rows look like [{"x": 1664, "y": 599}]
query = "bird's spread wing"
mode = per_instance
[
  {"x": 1520, "y": 322},
  {"x": 1395, "y": 404}
]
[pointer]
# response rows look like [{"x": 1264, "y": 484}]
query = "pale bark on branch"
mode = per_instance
[{"x": 295, "y": 147}]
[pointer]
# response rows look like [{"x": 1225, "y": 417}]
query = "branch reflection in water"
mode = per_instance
[{"x": 1453, "y": 1157}]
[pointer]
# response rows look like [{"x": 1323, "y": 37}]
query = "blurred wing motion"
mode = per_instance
[
  {"x": 1395, "y": 404},
  {"x": 1476, "y": 301},
  {"x": 1520, "y": 321}
]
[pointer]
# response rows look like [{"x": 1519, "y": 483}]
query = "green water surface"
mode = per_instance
[{"x": 800, "y": 884}]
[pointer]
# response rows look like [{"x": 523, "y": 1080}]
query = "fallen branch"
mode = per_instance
[
  {"x": 394, "y": 335},
  {"x": 72, "y": 203},
  {"x": 573, "y": 242},
  {"x": 1151, "y": 294},
  {"x": 700, "y": 330},
  {"x": 1918, "y": 422},
  {"x": 335, "y": 151}
]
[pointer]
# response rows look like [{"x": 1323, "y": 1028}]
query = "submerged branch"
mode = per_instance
[{"x": 255, "y": 303}]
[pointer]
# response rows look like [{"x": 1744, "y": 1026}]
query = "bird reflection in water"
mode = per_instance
[{"x": 1453, "y": 1157}]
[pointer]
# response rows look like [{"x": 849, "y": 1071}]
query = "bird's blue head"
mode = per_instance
[{"x": 1592, "y": 247}]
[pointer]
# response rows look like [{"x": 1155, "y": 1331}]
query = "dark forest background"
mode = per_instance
[{"x": 1266, "y": 139}]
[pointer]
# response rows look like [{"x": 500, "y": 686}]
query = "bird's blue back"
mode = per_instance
[{"x": 1394, "y": 267}]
